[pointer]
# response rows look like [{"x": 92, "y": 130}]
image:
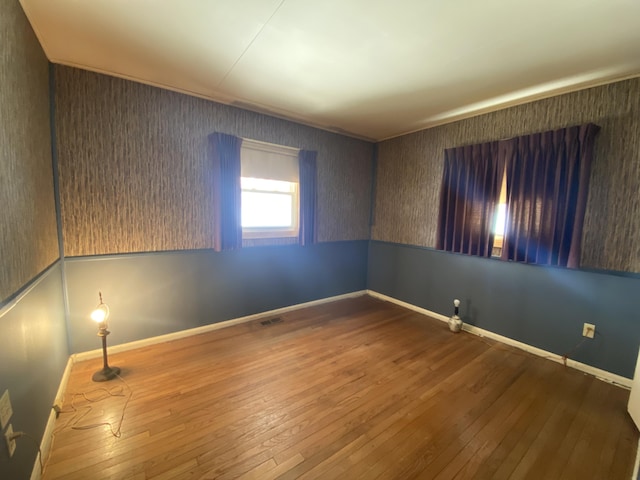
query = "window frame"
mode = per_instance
[
  {"x": 288, "y": 155},
  {"x": 274, "y": 231}
]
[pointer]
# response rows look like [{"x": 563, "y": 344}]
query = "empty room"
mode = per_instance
[{"x": 339, "y": 240}]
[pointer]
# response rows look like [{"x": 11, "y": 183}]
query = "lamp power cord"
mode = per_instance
[{"x": 89, "y": 397}]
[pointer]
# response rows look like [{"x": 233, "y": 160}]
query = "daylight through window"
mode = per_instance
[
  {"x": 269, "y": 184},
  {"x": 501, "y": 215}
]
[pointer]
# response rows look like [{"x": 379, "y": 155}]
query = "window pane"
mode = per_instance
[
  {"x": 248, "y": 183},
  {"x": 501, "y": 217},
  {"x": 260, "y": 210}
]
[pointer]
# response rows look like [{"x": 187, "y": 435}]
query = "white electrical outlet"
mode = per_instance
[
  {"x": 588, "y": 330},
  {"x": 11, "y": 444},
  {"x": 5, "y": 409}
]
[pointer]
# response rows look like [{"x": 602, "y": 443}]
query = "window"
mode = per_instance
[
  {"x": 270, "y": 193},
  {"x": 269, "y": 208}
]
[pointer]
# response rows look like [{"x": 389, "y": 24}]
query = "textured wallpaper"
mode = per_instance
[
  {"x": 28, "y": 235},
  {"x": 410, "y": 170},
  {"x": 134, "y": 174}
]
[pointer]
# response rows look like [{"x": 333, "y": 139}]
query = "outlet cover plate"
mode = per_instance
[
  {"x": 11, "y": 444},
  {"x": 5, "y": 409},
  {"x": 588, "y": 330}
]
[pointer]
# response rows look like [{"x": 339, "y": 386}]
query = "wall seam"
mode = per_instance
[{"x": 56, "y": 194}]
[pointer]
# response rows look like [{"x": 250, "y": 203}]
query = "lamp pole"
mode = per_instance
[
  {"x": 107, "y": 372},
  {"x": 100, "y": 315}
]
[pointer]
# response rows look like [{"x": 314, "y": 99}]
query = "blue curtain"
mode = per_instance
[
  {"x": 547, "y": 185},
  {"x": 469, "y": 194},
  {"x": 307, "y": 164},
  {"x": 224, "y": 152}
]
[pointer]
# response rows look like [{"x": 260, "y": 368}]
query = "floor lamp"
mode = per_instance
[{"x": 100, "y": 316}]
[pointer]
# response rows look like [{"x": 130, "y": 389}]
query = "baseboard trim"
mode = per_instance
[
  {"x": 583, "y": 367},
  {"x": 636, "y": 465},
  {"x": 47, "y": 437},
  {"x": 79, "y": 357}
]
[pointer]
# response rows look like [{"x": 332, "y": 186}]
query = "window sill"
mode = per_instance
[{"x": 263, "y": 242}]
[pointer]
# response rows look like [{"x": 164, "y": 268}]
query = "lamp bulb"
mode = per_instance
[
  {"x": 456, "y": 303},
  {"x": 98, "y": 315}
]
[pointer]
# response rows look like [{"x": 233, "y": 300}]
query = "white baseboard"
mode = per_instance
[
  {"x": 596, "y": 372},
  {"x": 63, "y": 383},
  {"x": 636, "y": 465},
  {"x": 408, "y": 306},
  {"x": 47, "y": 436},
  {"x": 77, "y": 357}
]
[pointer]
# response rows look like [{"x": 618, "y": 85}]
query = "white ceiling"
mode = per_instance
[{"x": 371, "y": 68}]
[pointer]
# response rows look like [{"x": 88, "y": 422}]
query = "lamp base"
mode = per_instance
[{"x": 105, "y": 374}]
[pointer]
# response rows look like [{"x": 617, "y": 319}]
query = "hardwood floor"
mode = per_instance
[{"x": 356, "y": 389}]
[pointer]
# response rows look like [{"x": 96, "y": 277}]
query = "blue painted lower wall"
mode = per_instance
[
  {"x": 155, "y": 294},
  {"x": 33, "y": 355},
  {"x": 540, "y": 306}
]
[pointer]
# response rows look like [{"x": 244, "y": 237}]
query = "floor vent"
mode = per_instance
[{"x": 271, "y": 321}]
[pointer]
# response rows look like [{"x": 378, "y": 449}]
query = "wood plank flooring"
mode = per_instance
[{"x": 355, "y": 389}]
